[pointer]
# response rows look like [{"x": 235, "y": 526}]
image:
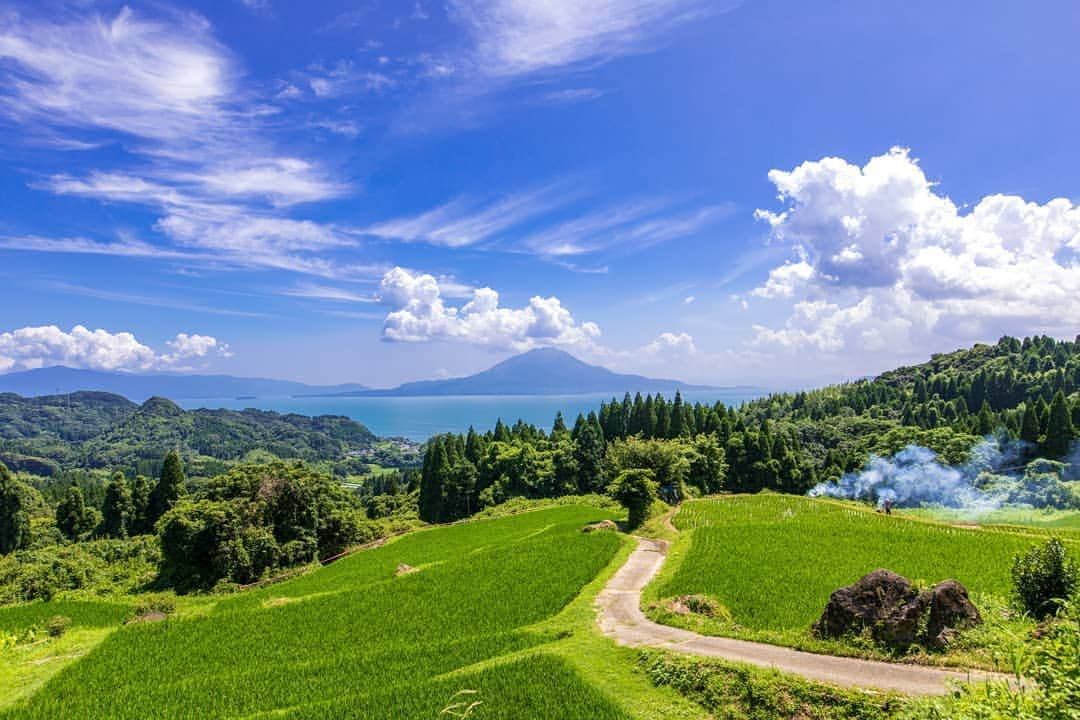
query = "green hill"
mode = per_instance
[{"x": 43, "y": 435}]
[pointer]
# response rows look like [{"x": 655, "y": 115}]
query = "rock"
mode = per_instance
[
  {"x": 884, "y": 602},
  {"x": 950, "y": 610},
  {"x": 404, "y": 569},
  {"x": 602, "y": 525}
]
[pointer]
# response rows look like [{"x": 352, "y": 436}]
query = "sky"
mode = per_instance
[{"x": 761, "y": 192}]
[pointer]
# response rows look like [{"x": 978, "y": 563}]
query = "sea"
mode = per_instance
[{"x": 418, "y": 418}]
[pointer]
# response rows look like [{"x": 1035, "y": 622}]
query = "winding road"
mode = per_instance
[{"x": 621, "y": 618}]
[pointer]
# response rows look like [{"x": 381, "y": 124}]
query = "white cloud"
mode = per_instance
[
  {"x": 630, "y": 226},
  {"x": 188, "y": 347},
  {"x": 459, "y": 223},
  {"x": 784, "y": 280},
  {"x": 679, "y": 345},
  {"x": 573, "y": 95},
  {"x": 34, "y": 347},
  {"x": 889, "y": 264},
  {"x": 147, "y": 78},
  {"x": 324, "y": 292},
  {"x": 419, "y": 314},
  {"x": 280, "y": 181},
  {"x": 202, "y": 155},
  {"x": 515, "y": 37}
]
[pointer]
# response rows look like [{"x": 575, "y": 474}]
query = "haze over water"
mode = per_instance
[{"x": 418, "y": 418}]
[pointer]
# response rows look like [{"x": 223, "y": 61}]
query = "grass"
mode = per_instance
[
  {"x": 734, "y": 691},
  {"x": 1049, "y": 520},
  {"x": 492, "y": 609},
  {"x": 772, "y": 561}
]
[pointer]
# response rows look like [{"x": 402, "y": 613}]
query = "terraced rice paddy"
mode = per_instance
[
  {"x": 773, "y": 560},
  {"x": 356, "y": 640}
]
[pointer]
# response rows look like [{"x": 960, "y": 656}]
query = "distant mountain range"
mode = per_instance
[
  {"x": 546, "y": 371},
  {"x": 61, "y": 380}
]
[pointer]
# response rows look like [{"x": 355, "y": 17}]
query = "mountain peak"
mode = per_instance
[{"x": 541, "y": 371}]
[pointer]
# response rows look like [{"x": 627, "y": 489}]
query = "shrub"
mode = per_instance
[
  {"x": 1044, "y": 575},
  {"x": 57, "y": 625},
  {"x": 635, "y": 489}
]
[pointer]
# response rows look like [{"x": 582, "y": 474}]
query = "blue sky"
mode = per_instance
[{"x": 756, "y": 192}]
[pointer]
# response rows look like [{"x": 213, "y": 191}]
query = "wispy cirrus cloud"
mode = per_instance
[
  {"x": 535, "y": 222},
  {"x": 198, "y": 147},
  {"x": 626, "y": 227},
  {"x": 461, "y": 222},
  {"x": 519, "y": 37}
]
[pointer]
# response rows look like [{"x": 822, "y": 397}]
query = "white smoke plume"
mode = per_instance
[{"x": 995, "y": 475}]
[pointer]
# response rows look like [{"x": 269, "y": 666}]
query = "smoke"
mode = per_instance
[{"x": 995, "y": 475}]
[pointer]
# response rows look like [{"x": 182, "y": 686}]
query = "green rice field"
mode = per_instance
[
  {"x": 773, "y": 560},
  {"x": 357, "y": 640}
]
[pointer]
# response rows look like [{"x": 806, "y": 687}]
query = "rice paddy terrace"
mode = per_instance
[
  {"x": 772, "y": 561},
  {"x": 357, "y": 638}
]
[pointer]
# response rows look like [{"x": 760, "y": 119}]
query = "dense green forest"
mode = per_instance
[
  {"x": 89, "y": 430},
  {"x": 788, "y": 442}
]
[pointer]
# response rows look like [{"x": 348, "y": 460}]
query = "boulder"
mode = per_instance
[
  {"x": 602, "y": 525},
  {"x": 882, "y": 602},
  {"x": 950, "y": 610}
]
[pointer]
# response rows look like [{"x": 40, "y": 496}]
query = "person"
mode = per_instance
[{"x": 889, "y": 502}]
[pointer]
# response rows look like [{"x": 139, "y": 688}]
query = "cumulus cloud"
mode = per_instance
[
  {"x": 677, "y": 345},
  {"x": 888, "y": 262},
  {"x": 419, "y": 314},
  {"x": 784, "y": 280},
  {"x": 34, "y": 347}
]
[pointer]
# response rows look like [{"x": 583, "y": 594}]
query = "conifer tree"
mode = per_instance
[
  {"x": 140, "y": 507},
  {"x": 117, "y": 510},
  {"x": 1059, "y": 428},
  {"x": 1029, "y": 426},
  {"x": 72, "y": 516},
  {"x": 169, "y": 489},
  {"x": 14, "y": 518}
]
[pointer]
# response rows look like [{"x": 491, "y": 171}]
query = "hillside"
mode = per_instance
[
  {"x": 96, "y": 430},
  {"x": 61, "y": 380},
  {"x": 545, "y": 371}
]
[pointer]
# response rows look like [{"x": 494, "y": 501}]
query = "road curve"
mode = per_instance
[{"x": 620, "y": 618}]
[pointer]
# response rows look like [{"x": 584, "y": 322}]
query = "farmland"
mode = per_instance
[
  {"x": 772, "y": 562},
  {"x": 355, "y": 636}
]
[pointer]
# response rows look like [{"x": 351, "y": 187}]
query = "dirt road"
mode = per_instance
[{"x": 621, "y": 618}]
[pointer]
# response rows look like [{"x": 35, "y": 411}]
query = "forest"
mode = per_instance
[{"x": 1022, "y": 391}]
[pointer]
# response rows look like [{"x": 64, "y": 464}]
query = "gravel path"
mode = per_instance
[{"x": 621, "y": 618}]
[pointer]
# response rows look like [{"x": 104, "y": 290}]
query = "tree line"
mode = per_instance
[{"x": 786, "y": 442}]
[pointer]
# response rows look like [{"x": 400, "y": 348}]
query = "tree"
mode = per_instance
[
  {"x": 708, "y": 466},
  {"x": 1029, "y": 426},
  {"x": 432, "y": 480},
  {"x": 984, "y": 424},
  {"x": 140, "y": 507},
  {"x": 117, "y": 512},
  {"x": 1059, "y": 428},
  {"x": 14, "y": 518},
  {"x": 635, "y": 490},
  {"x": 169, "y": 489},
  {"x": 589, "y": 455},
  {"x": 72, "y": 516}
]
